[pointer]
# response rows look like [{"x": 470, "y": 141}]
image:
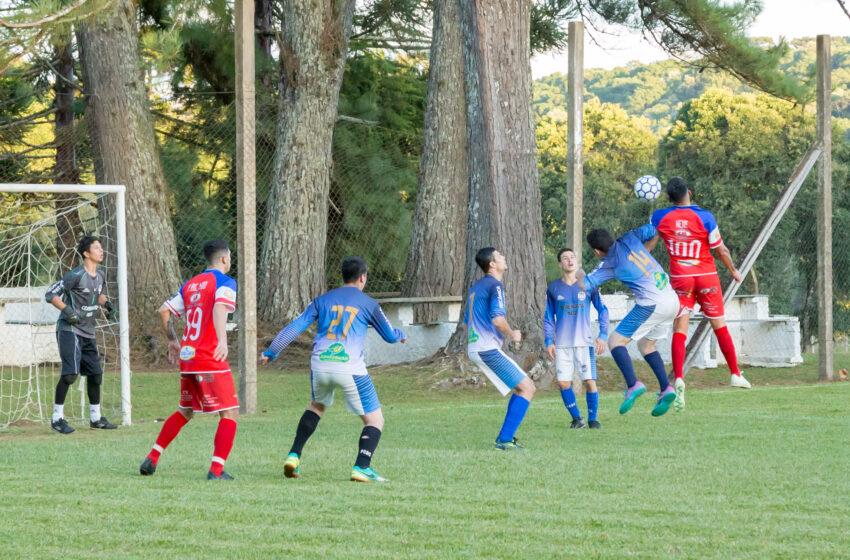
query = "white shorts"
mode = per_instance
[
  {"x": 581, "y": 359},
  {"x": 650, "y": 321},
  {"x": 499, "y": 368},
  {"x": 358, "y": 390}
]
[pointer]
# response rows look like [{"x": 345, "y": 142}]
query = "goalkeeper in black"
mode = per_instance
[{"x": 78, "y": 296}]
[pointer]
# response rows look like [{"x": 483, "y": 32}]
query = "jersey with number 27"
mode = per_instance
[{"x": 196, "y": 300}]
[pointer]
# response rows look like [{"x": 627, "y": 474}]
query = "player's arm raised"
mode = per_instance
[{"x": 289, "y": 333}]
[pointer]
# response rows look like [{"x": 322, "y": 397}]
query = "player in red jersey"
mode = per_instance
[
  {"x": 206, "y": 383},
  {"x": 690, "y": 233}
]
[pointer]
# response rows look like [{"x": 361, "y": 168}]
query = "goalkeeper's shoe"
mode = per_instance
[
  {"x": 223, "y": 476},
  {"x": 512, "y": 445},
  {"x": 292, "y": 466},
  {"x": 739, "y": 381},
  {"x": 630, "y": 395},
  {"x": 147, "y": 468},
  {"x": 62, "y": 426},
  {"x": 368, "y": 474},
  {"x": 102, "y": 424},
  {"x": 679, "y": 403},
  {"x": 665, "y": 399}
]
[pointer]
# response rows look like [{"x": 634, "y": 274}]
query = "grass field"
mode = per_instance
[{"x": 747, "y": 474}]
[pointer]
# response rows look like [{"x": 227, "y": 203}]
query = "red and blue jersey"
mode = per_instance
[
  {"x": 196, "y": 300},
  {"x": 689, "y": 232}
]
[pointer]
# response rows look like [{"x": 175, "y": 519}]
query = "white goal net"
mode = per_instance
[{"x": 40, "y": 227}]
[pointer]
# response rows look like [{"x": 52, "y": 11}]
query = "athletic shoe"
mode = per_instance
[
  {"x": 631, "y": 395},
  {"x": 665, "y": 399},
  {"x": 148, "y": 467},
  {"x": 512, "y": 445},
  {"x": 62, "y": 426},
  {"x": 679, "y": 403},
  {"x": 594, "y": 425},
  {"x": 292, "y": 466},
  {"x": 359, "y": 474},
  {"x": 740, "y": 381},
  {"x": 223, "y": 476},
  {"x": 577, "y": 424},
  {"x": 102, "y": 424}
]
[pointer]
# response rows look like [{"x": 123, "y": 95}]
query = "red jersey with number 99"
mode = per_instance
[
  {"x": 195, "y": 301},
  {"x": 689, "y": 233}
]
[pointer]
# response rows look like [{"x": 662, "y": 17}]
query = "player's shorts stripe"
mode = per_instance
[
  {"x": 368, "y": 394},
  {"x": 503, "y": 367},
  {"x": 312, "y": 388},
  {"x": 634, "y": 319},
  {"x": 592, "y": 351}
]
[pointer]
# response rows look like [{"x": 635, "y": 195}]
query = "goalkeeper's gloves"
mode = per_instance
[
  {"x": 70, "y": 315},
  {"x": 111, "y": 312}
]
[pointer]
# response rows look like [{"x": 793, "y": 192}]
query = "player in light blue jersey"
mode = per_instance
[
  {"x": 342, "y": 316},
  {"x": 486, "y": 328},
  {"x": 656, "y": 305},
  {"x": 569, "y": 340}
]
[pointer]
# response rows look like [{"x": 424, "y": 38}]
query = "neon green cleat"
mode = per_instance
[
  {"x": 679, "y": 403},
  {"x": 665, "y": 399},
  {"x": 292, "y": 466},
  {"x": 359, "y": 474},
  {"x": 512, "y": 445},
  {"x": 631, "y": 395}
]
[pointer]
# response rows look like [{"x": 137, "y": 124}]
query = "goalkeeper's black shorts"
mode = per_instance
[{"x": 79, "y": 354}]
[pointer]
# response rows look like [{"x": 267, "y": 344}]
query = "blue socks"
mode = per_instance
[
  {"x": 569, "y": 399},
  {"x": 624, "y": 362},
  {"x": 517, "y": 408},
  {"x": 657, "y": 364},
  {"x": 592, "y": 405}
]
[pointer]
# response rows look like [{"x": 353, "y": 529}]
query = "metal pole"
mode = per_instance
[
  {"x": 123, "y": 309},
  {"x": 824, "y": 239},
  {"x": 575, "y": 144},
  {"x": 246, "y": 204}
]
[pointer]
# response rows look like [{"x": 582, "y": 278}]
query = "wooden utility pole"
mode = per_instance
[
  {"x": 246, "y": 204},
  {"x": 824, "y": 239},
  {"x": 575, "y": 145}
]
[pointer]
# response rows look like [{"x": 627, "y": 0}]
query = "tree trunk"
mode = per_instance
[
  {"x": 435, "y": 265},
  {"x": 312, "y": 60},
  {"x": 126, "y": 152},
  {"x": 65, "y": 171},
  {"x": 504, "y": 197}
]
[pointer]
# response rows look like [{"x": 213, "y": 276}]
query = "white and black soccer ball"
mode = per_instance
[{"x": 648, "y": 187}]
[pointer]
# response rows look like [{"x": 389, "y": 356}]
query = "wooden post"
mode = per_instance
[
  {"x": 246, "y": 204},
  {"x": 824, "y": 239},
  {"x": 575, "y": 145}
]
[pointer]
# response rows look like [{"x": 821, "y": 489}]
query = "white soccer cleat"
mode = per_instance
[
  {"x": 679, "y": 403},
  {"x": 740, "y": 381}
]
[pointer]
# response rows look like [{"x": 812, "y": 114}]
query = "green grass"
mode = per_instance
[{"x": 748, "y": 474}]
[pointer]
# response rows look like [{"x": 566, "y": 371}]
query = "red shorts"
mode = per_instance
[
  {"x": 704, "y": 290},
  {"x": 208, "y": 392}
]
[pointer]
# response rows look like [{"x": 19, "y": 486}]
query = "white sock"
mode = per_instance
[
  {"x": 58, "y": 411},
  {"x": 94, "y": 412}
]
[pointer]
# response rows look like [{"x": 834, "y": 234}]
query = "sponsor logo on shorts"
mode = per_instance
[
  {"x": 187, "y": 353},
  {"x": 710, "y": 290},
  {"x": 473, "y": 336},
  {"x": 660, "y": 279},
  {"x": 334, "y": 353}
]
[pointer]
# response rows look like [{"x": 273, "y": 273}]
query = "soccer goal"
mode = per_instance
[{"x": 40, "y": 227}]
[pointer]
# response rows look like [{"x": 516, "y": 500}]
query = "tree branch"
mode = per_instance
[{"x": 47, "y": 19}]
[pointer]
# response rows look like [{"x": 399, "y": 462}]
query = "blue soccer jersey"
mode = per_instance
[
  {"x": 486, "y": 301},
  {"x": 629, "y": 262},
  {"x": 343, "y": 317},
  {"x": 566, "y": 323}
]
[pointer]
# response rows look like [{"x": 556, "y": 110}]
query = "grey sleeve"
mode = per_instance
[{"x": 67, "y": 282}]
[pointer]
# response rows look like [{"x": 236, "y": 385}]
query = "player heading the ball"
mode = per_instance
[
  {"x": 569, "y": 340},
  {"x": 338, "y": 361},
  {"x": 656, "y": 305},
  {"x": 206, "y": 383},
  {"x": 487, "y": 327}
]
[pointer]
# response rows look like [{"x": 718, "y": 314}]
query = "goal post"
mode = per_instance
[{"x": 28, "y": 224}]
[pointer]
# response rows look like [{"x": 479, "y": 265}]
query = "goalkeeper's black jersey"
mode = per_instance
[{"x": 80, "y": 291}]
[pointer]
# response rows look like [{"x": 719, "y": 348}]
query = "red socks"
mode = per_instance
[
  {"x": 223, "y": 443},
  {"x": 724, "y": 341},
  {"x": 169, "y": 431},
  {"x": 678, "y": 352}
]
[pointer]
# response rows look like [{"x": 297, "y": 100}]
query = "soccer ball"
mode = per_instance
[{"x": 648, "y": 187}]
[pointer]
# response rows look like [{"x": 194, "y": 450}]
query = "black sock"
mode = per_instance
[
  {"x": 369, "y": 438},
  {"x": 93, "y": 383},
  {"x": 306, "y": 427},
  {"x": 65, "y": 382}
]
